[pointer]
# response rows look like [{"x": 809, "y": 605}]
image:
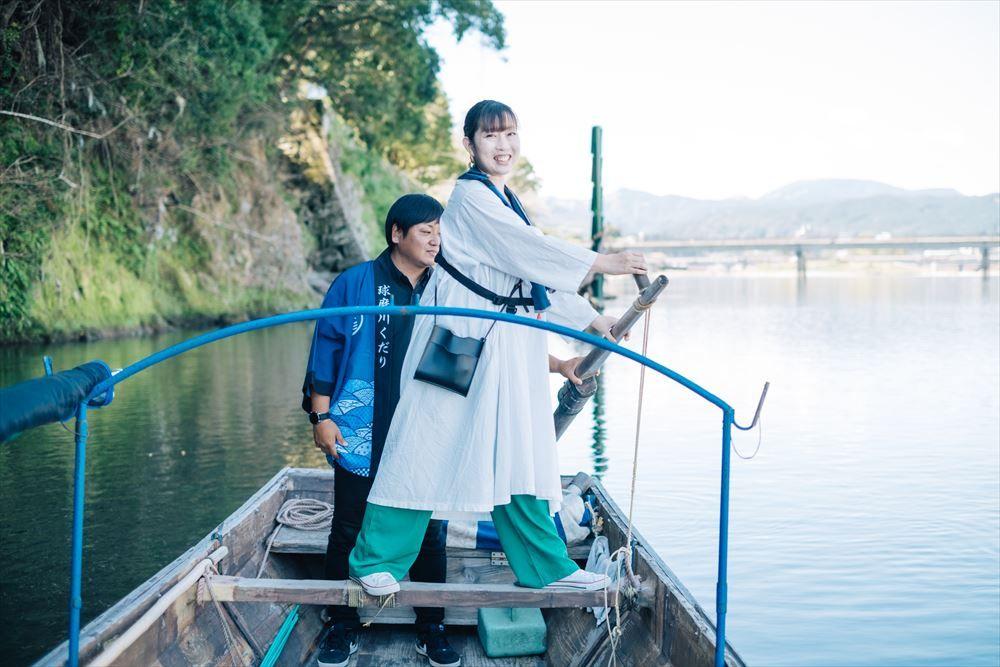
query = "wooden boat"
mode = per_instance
[{"x": 180, "y": 617}]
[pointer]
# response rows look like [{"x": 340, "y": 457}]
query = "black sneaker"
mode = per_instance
[
  {"x": 432, "y": 643},
  {"x": 338, "y": 646}
]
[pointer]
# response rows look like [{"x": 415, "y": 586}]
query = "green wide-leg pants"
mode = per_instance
[{"x": 390, "y": 541}]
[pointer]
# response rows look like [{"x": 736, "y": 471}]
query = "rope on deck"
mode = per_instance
[{"x": 301, "y": 513}]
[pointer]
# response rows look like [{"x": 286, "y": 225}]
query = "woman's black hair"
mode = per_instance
[
  {"x": 489, "y": 116},
  {"x": 410, "y": 210}
]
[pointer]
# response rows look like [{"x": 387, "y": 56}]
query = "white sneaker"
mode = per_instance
[
  {"x": 581, "y": 580},
  {"x": 378, "y": 583}
]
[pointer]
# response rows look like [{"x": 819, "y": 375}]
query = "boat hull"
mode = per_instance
[{"x": 668, "y": 628}]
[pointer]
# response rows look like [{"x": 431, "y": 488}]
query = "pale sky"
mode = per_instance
[{"x": 715, "y": 100}]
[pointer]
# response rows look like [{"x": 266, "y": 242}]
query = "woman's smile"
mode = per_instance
[{"x": 495, "y": 151}]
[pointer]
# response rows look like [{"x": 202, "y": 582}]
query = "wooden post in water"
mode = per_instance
[{"x": 596, "y": 206}]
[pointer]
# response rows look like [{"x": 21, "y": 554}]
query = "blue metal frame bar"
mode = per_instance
[
  {"x": 721, "y": 583},
  {"x": 76, "y": 564},
  {"x": 319, "y": 313}
]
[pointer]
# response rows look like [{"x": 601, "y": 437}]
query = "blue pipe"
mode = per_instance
[
  {"x": 721, "y": 586},
  {"x": 319, "y": 313},
  {"x": 76, "y": 567}
]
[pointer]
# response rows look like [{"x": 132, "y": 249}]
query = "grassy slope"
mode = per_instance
[{"x": 86, "y": 287}]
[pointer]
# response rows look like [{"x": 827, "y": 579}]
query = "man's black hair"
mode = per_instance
[{"x": 410, "y": 210}]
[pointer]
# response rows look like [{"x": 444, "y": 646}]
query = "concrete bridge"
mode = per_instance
[{"x": 801, "y": 245}]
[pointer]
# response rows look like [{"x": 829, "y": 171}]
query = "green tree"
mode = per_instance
[
  {"x": 164, "y": 93},
  {"x": 379, "y": 70}
]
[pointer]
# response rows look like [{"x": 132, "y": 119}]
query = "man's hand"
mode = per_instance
[
  {"x": 326, "y": 435},
  {"x": 602, "y": 324},
  {"x": 567, "y": 368}
]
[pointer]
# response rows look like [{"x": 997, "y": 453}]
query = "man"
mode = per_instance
[{"x": 351, "y": 391}]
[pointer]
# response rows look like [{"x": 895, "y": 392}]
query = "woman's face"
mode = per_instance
[{"x": 495, "y": 151}]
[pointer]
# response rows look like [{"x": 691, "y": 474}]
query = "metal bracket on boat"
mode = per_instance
[{"x": 756, "y": 415}]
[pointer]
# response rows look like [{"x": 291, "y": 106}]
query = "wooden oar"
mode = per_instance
[{"x": 572, "y": 397}]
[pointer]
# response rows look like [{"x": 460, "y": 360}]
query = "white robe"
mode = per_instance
[{"x": 457, "y": 455}]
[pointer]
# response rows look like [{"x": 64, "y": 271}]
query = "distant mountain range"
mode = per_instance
[{"x": 826, "y": 208}]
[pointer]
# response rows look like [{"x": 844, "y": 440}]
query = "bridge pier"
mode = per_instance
[
  {"x": 800, "y": 262},
  {"x": 984, "y": 260}
]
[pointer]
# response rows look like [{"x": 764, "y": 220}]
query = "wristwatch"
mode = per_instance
[{"x": 315, "y": 418}]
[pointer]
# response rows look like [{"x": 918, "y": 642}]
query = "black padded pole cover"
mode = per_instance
[{"x": 47, "y": 399}]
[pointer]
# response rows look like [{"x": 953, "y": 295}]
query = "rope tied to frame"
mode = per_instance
[
  {"x": 389, "y": 601},
  {"x": 756, "y": 449},
  {"x": 232, "y": 646},
  {"x": 624, "y": 552}
]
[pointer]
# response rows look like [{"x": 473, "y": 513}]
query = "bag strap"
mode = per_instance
[
  {"x": 516, "y": 288},
  {"x": 479, "y": 290}
]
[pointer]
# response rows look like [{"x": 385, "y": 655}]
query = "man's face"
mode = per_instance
[{"x": 420, "y": 244}]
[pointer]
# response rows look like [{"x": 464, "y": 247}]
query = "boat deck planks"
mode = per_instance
[
  {"x": 384, "y": 646},
  {"x": 671, "y": 631}
]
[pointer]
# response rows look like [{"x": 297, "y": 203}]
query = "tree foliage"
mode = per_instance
[
  {"x": 376, "y": 64},
  {"x": 172, "y": 87}
]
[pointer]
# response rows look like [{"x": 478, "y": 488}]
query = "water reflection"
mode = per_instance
[
  {"x": 182, "y": 446},
  {"x": 867, "y": 525},
  {"x": 599, "y": 431}
]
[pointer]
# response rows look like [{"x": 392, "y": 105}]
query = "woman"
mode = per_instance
[{"x": 493, "y": 450}]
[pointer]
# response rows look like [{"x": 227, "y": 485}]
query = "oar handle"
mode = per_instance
[{"x": 646, "y": 298}]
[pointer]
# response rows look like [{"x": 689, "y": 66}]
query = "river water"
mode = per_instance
[{"x": 865, "y": 531}]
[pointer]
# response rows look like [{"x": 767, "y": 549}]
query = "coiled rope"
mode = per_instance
[
  {"x": 313, "y": 514},
  {"x": 301, "y": 513}
]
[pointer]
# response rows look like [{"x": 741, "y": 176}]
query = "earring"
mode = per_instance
[{"x": 472, "y": 162}]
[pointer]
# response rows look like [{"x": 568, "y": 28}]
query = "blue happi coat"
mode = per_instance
[{"x": 342, "y": 366}]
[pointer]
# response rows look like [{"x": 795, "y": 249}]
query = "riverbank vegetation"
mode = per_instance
[{"x": 168, "y": 162}]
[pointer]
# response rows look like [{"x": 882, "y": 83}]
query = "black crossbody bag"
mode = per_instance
[{"x": 450, "y": 361}]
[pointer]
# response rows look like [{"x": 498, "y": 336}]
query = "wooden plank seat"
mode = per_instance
[
  {"x": 296, "y": 541},
  {"x": 469, "y": 566},
  {"x": 321, "y": 591}
]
